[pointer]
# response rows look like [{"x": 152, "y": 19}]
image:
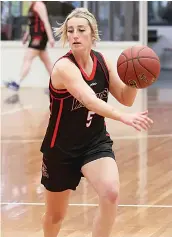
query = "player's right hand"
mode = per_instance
[
  {"x": 52, "y": 42},
  {"x": 138, "y": 121}
]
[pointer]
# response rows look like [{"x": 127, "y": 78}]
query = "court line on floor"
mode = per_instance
[
  {"x": 115, "y": 138},
  {"x": 17, "y": 110},
  {"x": 86, "y": 204}
]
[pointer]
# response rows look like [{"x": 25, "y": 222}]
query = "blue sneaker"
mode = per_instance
[{"x": 12, "y": 85}]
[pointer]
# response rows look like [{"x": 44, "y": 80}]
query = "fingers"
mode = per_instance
[
  {"x": 144, "y": 112},
  {"x": 144, "y": 115},
  {"x": 143, "y": 122},
  {"x": 146, "y": 118},
  {"x": 137, "y": 127},
  {"x": 144, "y": 125}
]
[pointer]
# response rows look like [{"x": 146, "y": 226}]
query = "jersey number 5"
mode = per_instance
[{"x": 89, "y": 118}]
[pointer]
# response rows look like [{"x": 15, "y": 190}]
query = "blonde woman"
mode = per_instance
[
  {"x": 39, "y": 34},
  {"x": 76, "y": 143}
]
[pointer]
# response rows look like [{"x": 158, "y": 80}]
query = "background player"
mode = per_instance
[{"x": 39, "y": 32}]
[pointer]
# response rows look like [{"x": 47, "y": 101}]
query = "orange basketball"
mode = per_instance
[{"x": 138, "y": 66}]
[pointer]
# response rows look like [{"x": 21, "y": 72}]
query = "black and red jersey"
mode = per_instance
[
  {"x": 72, "y": 127},
  {"x": 36, "y": 25}
]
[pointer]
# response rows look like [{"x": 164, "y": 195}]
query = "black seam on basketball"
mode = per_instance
[
  {"x": 124, "y": 55},
  {"x": 141, "y": 49},
  {"x": 134, "y": 67},
  {"x": 146, "y": 68},
  {"x": 132, "y": 47},
  {"x": 138, "y": 58}
]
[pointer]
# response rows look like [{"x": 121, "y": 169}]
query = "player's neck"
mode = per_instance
[{"x": 83, "y": 59}]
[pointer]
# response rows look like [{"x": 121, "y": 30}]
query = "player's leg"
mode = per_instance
[
  {"x": 104, "y": 178},
  {"x": 30, "y": 54},
  {"x": 56, "y": 206},
  {"x": 59, "y": 177},
  {"x": 28, "y": 58},
  {"x": 46, "y": 60}
]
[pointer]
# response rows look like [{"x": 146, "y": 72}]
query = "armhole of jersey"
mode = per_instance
[
  {"x": 60, "y": 91},
  {"x": 103, "y": 64}
]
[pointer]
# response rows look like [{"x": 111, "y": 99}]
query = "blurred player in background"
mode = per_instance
[{"x": 40, "y": 33}]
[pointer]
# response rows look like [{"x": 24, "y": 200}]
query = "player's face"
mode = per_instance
[{"x": 79, "y": 34}]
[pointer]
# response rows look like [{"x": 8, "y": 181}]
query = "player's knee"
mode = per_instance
[
  {"x": 54, "y": 218},
  {"x": 111, "y": 192}
]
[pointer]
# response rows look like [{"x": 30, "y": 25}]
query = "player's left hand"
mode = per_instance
[{"x": 138, "y": 121}]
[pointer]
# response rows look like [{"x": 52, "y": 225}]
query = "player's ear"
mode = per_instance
[{"x": 93, "y": 40}]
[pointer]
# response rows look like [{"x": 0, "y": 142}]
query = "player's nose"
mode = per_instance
[{"x": 75, "y": 34}]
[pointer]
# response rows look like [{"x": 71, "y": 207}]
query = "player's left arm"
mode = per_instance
[{"x": 123, "y": 93}]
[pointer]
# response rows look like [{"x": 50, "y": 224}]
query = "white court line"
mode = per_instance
[
  {"x": 141, "y": 136},
  {"x": 115, "y": 138},
  {"x": 16, "y": 110},
  {"x": 84, "y": 204}
]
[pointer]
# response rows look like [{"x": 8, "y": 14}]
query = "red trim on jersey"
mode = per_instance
[
  {"x": 89, "y": 78},
  {"x": 59, "y": 91},
  {"x": 60, "y": 98},
  {"x": 62, "y": 91},
  {"x": 38, "y": 37},
  {"x": 42, "y": 26},
  {"x": 57, "y": 124},
  {"x": 51, "y": 104},
  {"x": 104, "y": 60},
  {"x": 105, "y": 66},
  {"x": 36, "y": 23}
]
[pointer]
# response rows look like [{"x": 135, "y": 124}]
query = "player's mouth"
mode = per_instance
[{"x": 76, "y": 43}]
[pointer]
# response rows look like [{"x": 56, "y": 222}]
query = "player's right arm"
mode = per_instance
[{"x": 67, "y": 74}]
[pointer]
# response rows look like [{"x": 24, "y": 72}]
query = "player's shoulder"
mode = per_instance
[
  {"x": 102, "y": 57},
  {"x": 39, "y": 5},
  {"x": 63, "y": 65}
]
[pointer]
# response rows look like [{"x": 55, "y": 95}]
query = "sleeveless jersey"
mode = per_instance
[
  {"x": 72, "y": 127},
  {"x": 36, "y": 25}
]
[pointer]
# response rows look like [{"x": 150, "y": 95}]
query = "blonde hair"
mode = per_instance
[{"x": 79, "y": 13}]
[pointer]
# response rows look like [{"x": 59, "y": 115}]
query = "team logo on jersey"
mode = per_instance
[
  {"x": 102, "y": 95},
  {"x": 93, "y": 84}
]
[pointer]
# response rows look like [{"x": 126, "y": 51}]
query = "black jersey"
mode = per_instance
[
  {"x": 72, "y": 127},
  {"x": 36, "y": 25}
]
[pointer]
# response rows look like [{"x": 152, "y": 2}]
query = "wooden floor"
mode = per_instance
[{"x": 144, "y": 161}]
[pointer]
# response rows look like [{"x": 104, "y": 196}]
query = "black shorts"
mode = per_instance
[
  {"x": 38, "y": 42},
  {"x": 60, "y": 174}
]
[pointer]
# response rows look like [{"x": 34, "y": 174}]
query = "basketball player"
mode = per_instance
[
  {"x": 39, "y": 32},
  {"x": 76, "y": 143}
]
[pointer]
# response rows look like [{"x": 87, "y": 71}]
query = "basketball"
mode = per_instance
[{"x": 138, "y": 66}]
